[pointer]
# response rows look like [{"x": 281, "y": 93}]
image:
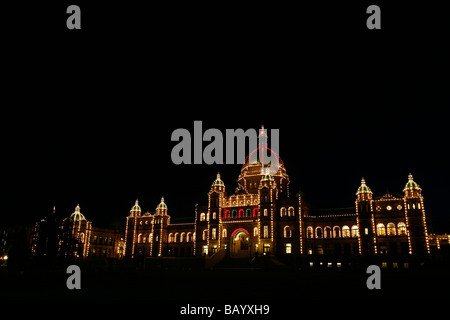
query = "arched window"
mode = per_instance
[
  {"x": 309, "y": 232},
  {"x": 214, "y": 215},
  {"x": 170, "y": 237},
  {"x": 327, "y": 232},
  {"x": 224, "y": 233},
  {"x": 144, "y": 239},
  {"x": 182, "y": 237},
  {"x": 354, "y": 231},
  {"x": 175, "y": 239},
  {"x": 288, "y": 232},
  {"x": 391, "y": 229},
  {"x": 336, "y": 232},
  {"x": 205, "y": 234},
  {"x": 241, "y": 212},
  {"x": 282, "y": 212},
  {"x": 255, "y": 212},
  {"x": 248, "y": 212},
  {"x": 401, "y": 229},
  {"x": 255, "y": 231},
  {"x": 234, "y": 213},
  {"x": 139, "y": 238},
  {"x": 319, "y": 232},
  {"x": 213, "y": 233},
  {"x": 291, "y": 212},
  {"x": 202, "y": 216},
  {"x": 345, "y": 232},
  {"x": 381, "y": 230},
  {"x": 227, "y": 213},
  {"x": 189, "y": 237}
]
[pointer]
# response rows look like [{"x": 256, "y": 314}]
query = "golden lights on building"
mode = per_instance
[{"x": 262, "y": 218}]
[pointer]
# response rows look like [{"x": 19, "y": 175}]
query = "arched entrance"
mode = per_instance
[{"x": 240, "y": 243}]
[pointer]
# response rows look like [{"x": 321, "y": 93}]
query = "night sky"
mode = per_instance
[{"x": 87, "y": 115}]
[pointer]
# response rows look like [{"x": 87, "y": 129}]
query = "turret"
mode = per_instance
[
  {"x": 161, "y": 209},
  {"x": 135, "y": 210},
  {"x": 416, "y": 219},
  {"x": 366, "y": 228}
]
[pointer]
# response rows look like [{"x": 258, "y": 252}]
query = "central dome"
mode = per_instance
[{"x": 255, "y": 168}]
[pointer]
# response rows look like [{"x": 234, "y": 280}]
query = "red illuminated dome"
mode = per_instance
[{"x": 255, "y": 168}]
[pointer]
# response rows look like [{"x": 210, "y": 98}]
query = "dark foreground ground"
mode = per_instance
[{"x": 132, "y": 281}]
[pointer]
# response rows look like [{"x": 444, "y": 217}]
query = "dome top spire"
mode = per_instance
[
  {"x": 218, "y": 181},
  {"x": 77, "y": 215},
  {"x": 411, "y": 184},
  {"x": 136, "y": 206},
  {"x": 412, "y": 189},
  {"x": 162, "y": 205},
  {"x": 363, "y": 188}
]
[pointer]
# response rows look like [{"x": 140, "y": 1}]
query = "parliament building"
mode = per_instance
[{"x": 263, "y": 218}]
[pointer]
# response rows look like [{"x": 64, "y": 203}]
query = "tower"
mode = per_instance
[
  {"x": 214, "y": 216},
  {"x": 365, "y": 220},
  {"x": 268, "y": 194},
  {"x": 130, "y": 229},
  {"x": 161, "y": 220},
  {"x": 416, "y": 220}
]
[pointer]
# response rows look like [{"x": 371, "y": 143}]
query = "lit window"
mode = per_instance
[
  {"x": 319, "y": 233},
  {"x": 336, "y": 232},
  {"x": 213, "y": 233},
  {"x": 345, "y": 232},
  {"x": 288, "y": 232},
  {"x": 401, "y": 229},
  {"x": 327, "y": 232},
  {"x": 266, "y": 231},
  {"x": 354, "y": 231},
  {"x": 170, "y": 237},
  {"x": 224, "y": 233},
  {"x": 202, "y": 216},
  {"x": 214, "y": 215},
  {"x": 255, "y": 231},
  {"x": 265, "y": 212},
  {"x": 291, "y": 212},
  {"x": 381, "y": 230},
  {"x": 288, "y": 248},
  {"x": 205, "y": 250},
  {"x": 391, "y": 229},
  {"x": 309, "y": 232}
]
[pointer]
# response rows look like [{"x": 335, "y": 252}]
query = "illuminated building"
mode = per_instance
[{"x": 261, "y": 217}]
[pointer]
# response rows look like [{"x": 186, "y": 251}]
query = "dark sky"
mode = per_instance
[{"x": 87, "y": 115}]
